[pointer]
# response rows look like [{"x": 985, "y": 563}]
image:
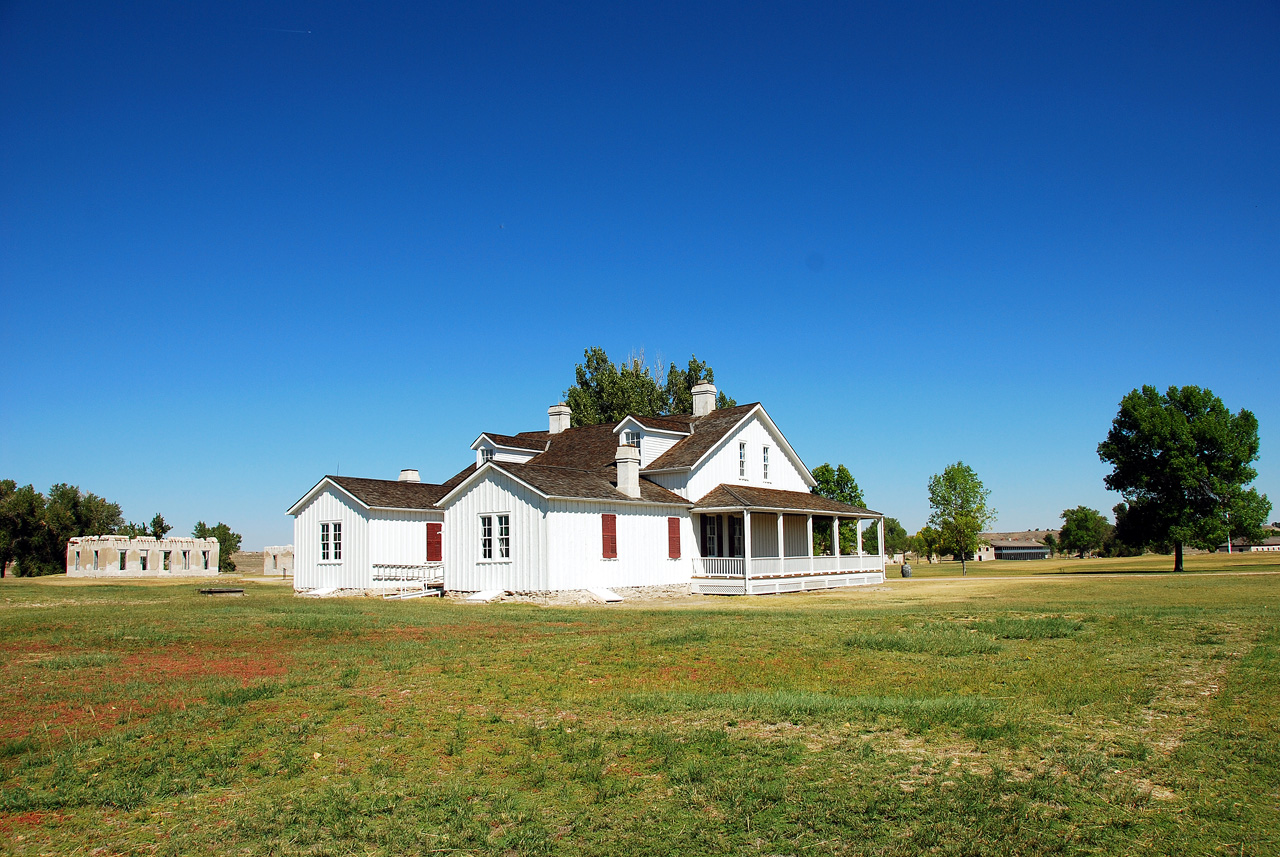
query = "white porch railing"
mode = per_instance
[
  {"x": 713, "y": 566},
  {"x": 432, "y": 571},
  {"x": 772, "y": 566}
]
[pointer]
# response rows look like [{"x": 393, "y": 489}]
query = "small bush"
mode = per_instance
[
  {"x": 945, "y": 640},
  {"x": 1040, "y": 628},
  {"x": 87, "y": 660},
  {"x": 252, "y": 693}
]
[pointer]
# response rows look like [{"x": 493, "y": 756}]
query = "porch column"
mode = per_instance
[
  {"x": 808, "y": 528},
  {"x": 859, "y": 537},
  {"x": 884, "y": 554},
  {"x": 746, "y": 546},
  {"x": 782, "y": 544},
  {"x": 835, "y": 537}
]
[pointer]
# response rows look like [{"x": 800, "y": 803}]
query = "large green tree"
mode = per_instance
[
  {"x": 1182, "y": 461},
  {"x": 837, "y": 483},
  {"x": 960, "y": 510},
  {"x": 605, "y": 392},
  {"x": 34, "y": 529},
  {"x": 926, "y": 543},
  {"x": 1084, "y": 530},
  {"x": 228, "y": 542}
]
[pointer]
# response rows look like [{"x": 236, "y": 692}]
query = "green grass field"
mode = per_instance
[{"x": 1022, "y": 710}]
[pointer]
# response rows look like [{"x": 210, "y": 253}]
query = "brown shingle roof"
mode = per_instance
[
  {"x": 599, "y": 484},
  {"x": 740, "y": 496},
  {"x": 391, "y": 493},
  {"x": 582, "y": 448},
  {"x": 674, "y": 422},
  {"x": 708, "y": 431},
  {"x": 520, "y": 441}
]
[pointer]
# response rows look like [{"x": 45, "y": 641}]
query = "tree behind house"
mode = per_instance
[
  {"x": 228, "y": 543},
  {"x": 605, "y": 393}
]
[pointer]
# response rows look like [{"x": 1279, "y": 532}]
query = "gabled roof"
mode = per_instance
[
  {"x": 382, "y": 493},
  {"x": 676, "y": 424},
  {"x": 707, "y": 432},
  {"x": 571, "y": 483},
  {"x": 514, "y": 441},
  {"x": 776, "y": 500}
]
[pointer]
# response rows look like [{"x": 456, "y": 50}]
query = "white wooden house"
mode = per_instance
[{"x": 716, "y": 498}]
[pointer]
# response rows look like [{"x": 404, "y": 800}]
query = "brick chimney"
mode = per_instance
[
  {"x": 559, "y": 416},
  {"x": 704, "y": 399},
  {"x": 628, "y": 461}
]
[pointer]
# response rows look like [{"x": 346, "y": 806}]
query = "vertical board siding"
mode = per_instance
[
  {"x": 399, "y": 537},
  {"x": 675, "y": 482},
  {"x": 764, "y": 534},
  {"x": 495, "y": 494},
  {"x": 573, "y": 538},
  {"x": 795, "y": 530},
  {"x": 354, "y": 570},
  {"x": 722, "y": 466}
]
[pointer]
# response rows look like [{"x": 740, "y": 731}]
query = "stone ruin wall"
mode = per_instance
[
  {"x": 277, "y": 561},
  {"x": 118, "y": 556}
]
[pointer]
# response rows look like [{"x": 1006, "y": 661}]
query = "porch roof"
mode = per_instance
[{"x": 732, "y": 497}]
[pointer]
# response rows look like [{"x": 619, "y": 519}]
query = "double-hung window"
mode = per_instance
[
  {"x": 764, "y": 465},
  {"x": 742, "y": 460},
  {"x": 331, "y": 541},
  {"x": 486, "y": 537},
  {"x": 713, "y": 536},
  {"x": 502, "y": 523},
  {"x": 632, "y": 438},
  {"x": 504, "y": 537}
]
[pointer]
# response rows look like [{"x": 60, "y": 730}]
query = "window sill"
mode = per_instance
[
  {"x": 329, "y": 562},
  {"x": 506, "y": 561}
]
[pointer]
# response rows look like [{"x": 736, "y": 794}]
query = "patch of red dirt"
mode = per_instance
[{"x": 10, "y": 821}]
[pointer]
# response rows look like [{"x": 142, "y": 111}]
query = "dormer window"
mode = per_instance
[
  {"x": 486, "y": 454},
  {"x": 632, "y": 438}
]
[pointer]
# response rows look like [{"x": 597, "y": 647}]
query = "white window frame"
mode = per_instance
[
  {"x": 713, "y": 535},
  {"x": 764, "y": 462},
  {"x": 633, "y": 438},
  {"x": 486, "y": 454},
  {"x": 742, "y": 459},
  {"x": 495, "y": 536}
]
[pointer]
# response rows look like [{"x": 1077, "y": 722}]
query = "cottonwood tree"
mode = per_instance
[
  {"x": 1182, "y": 461},
  {"x": 604, "y": 392},
  {"x": 960, "y": 511},
  {"x": 896, "y": 539},
  {"x": 34, "y": 530},
  {"x": 1084, "y": 530},
  {"x": 926, "y": 543},
  {"x": 837, "y": 483},
  {"x": 228, "y": 543}
]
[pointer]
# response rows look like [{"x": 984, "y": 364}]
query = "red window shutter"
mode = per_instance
[
  {"x": 609, "y": 529},
  {"x": 435, "y": 543},
  {"x": 673, "y": 538}
]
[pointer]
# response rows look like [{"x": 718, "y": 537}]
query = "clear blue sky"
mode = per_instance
[{"x": 245, "y": 244}]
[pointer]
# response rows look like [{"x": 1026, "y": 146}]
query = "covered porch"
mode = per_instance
[{"x": 754, "y": 541}]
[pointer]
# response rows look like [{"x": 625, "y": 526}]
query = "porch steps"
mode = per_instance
[
  {"x": 484, "y": 596},
  {"x": 608, "y": 596}
]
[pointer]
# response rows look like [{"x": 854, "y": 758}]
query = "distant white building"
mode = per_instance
[
  {"x": 716, "y": 498},
  {"x": 120, "y": 556}
]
